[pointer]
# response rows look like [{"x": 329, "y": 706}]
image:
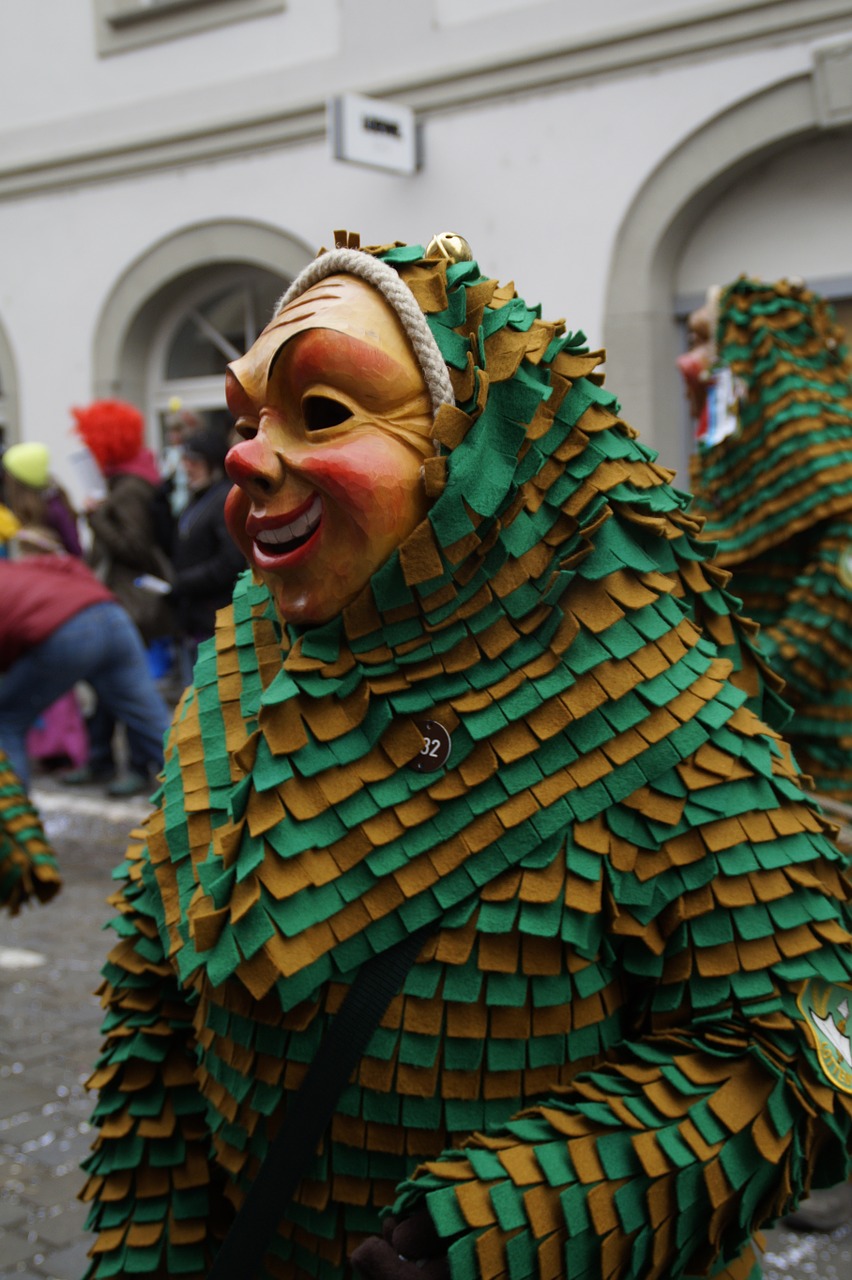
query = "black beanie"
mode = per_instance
[{"x": 208, "y": 444}]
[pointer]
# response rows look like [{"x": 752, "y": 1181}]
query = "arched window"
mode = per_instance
[
  {"x": 213, "y": 321},
  {"x": 184, "y": 309}
]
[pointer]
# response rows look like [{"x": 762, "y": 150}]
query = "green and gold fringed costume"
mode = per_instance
[
  {"x": 27, "y": 864},
  {"x": 633, "y": 893},
  {"x": 777, "y": 497}
]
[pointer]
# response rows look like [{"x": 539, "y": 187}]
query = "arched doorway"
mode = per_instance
[
  {"x": 186, "y": 307},
  {"x": 787, "y": 216},
  {"x": 643, "y": 325}
]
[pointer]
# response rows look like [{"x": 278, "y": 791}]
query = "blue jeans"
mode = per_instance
[{"x": 102, "y": 646}]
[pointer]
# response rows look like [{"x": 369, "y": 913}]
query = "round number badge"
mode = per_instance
[{"x": 437, "y": 745}]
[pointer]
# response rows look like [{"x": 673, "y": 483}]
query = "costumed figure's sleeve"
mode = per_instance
[
  {"x": 810, "y": 646},
  {"x": 27, "y": 863},
  {"x": 149, "y": 1180},
  {"x": 733, "y": 1093}
]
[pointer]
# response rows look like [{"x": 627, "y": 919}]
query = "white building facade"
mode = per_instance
[{"x": 165, "y": 169}]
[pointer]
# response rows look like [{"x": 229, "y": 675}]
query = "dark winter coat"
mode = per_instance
[{"x": 206, "y": 561}]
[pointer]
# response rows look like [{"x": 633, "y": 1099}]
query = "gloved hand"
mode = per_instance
[{"x": 408, "y": 1250}]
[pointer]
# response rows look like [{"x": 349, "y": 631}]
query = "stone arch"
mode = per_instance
[
  {"x": 157, "y": 278},
  {"x": 640, "y": 327}
]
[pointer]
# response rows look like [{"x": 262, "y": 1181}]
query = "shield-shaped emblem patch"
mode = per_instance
[{"x": 825, "y": 1009}]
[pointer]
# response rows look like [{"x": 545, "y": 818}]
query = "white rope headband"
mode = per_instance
[{"x": 355, "y": 262}]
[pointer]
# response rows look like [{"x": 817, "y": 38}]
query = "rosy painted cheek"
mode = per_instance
[
  {"x": 376, "y": 486},
  {"x": 236, "y": 512}
]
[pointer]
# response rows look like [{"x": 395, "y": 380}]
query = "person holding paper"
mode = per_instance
[{"x": 131, "y": 526}]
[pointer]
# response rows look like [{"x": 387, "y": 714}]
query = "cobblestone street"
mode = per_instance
[{"x": 50, "y": 957}]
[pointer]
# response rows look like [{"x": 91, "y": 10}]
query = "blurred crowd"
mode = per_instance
[{"x": 104, "y": 608}]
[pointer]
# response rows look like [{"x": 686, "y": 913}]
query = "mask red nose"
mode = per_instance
[
  {"x": 240, "y": 466},
  {"x": 254, "y": 465}
]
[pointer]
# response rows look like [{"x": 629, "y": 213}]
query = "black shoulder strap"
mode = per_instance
[{"x": 310, "y": 1110}]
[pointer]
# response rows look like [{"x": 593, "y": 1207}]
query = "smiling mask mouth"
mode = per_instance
[{"x": 289, "y": 537}]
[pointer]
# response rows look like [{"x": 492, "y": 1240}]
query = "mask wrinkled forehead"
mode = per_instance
[{"x": 343, "y": 304}]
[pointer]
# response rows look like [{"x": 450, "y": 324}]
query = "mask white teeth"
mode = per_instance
[{"x": 303, "y": 525}]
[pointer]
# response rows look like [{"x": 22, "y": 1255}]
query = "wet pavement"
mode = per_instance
[
  {"x": 50, "y": 958},
  {"x": 793, "y": 1255}
]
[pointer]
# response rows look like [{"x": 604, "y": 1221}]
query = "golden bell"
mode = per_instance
[{"x": 449, "y": 245}]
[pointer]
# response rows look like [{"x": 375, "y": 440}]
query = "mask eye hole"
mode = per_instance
[
  {"x": 320, "y": 412},
  {"x": 245, "y": 428}
]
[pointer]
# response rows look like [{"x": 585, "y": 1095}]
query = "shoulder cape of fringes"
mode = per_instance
[
  {"x": 789, "y": 464},
  {"x": 27, "y": 862},
  {"x": 553, "y": 613}
]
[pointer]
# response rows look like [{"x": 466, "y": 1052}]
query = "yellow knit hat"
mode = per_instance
[{"x": 28, "y": 462}]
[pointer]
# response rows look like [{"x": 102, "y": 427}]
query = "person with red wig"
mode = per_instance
[{"x": 130, "y": 536}]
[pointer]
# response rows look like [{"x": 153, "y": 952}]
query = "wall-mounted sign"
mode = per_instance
[{"x": 369, "y": 131}]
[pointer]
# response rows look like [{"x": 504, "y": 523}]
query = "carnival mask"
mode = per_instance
[{"x": 335, "y": 419}]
